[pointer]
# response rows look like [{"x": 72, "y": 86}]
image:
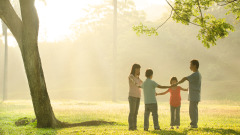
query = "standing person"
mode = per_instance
[
  {"x": 150, "y": 100},
  {"x": 134, "y": 96},
  {"x": 175, "y": 102},
  {"x": 194, "y": 95}
]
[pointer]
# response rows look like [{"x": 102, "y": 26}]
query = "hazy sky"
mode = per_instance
[
  {"x": 56, "y": 19},
  {"x": 53, "y": 17}
]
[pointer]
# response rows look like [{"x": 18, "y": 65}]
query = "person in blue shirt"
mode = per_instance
[
  {"x": 150, "y": 101},
  {"x": 194, "y": 95}
]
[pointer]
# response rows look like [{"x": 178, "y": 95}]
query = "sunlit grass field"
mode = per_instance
[{"x": 215, "y": 117}]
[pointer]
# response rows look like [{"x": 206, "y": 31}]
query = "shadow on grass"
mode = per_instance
[
  {"x": 220, "y": 131},
  {"x": 168, "y": 132},
  {"x": 89, "y": 123},
  {"x": 26, "y": 121},
  {"x": 200, "y": 130},
  {"x": 54, "y": 131}
]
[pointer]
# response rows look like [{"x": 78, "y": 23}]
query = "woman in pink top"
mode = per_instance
[{"x": 134, "y": 96}]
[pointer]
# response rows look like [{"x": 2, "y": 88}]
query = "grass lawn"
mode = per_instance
[{"x": 215, "y": 117}]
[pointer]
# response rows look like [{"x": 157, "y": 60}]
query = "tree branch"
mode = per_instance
[
  {"x": 12, "y": 20},
  {"x": 165, "y": 21},
  {"x": 162, "y": 23},
  {"x": 226, "y": 3},
  {"x": 180, "y": 16},
  {"x": 200, "y": 11}
]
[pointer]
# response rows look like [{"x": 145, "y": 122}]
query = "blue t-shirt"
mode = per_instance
[
  {"x": 149, "y": 91},
  {"x": 194, "y": 86}
]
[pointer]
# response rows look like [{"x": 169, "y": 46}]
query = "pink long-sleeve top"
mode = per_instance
[{"x": 134, "y": 83}]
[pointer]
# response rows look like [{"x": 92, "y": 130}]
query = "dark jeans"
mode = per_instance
[
  {"x": 134, "y": 106},
  {"x": 175, "y": 116},
  {"x": 193, "y": 112},
  {"x": 154, "y": 109}
]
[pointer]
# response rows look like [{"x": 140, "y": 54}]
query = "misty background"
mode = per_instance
[{"x": 78, "y": 63}]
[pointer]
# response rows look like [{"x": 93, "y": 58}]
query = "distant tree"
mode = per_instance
[
  {"x": 5, "y": 34},
  {"x": 114, "y": 98},
  {"x": 197, "y": 12},
  {"x": 25, "y": 31},
  {"x": 99, "y": 18}
]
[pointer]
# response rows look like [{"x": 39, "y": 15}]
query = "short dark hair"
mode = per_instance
[
  {"x": 134, "y": 67},
  {"x": 148, "y": 73},
  {"x": 195, "y": 62},
  {"x": 172, "y": 79}
]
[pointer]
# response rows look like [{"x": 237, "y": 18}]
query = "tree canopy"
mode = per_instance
[{"x": 198, "y": 12}]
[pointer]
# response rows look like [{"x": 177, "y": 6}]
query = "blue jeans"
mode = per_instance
[
  {"x": 175, "y": 116},
  {"x": 133, "y": 106},
  {"x": 193, "y": 112},
  {"x": 154, "y": 109}
]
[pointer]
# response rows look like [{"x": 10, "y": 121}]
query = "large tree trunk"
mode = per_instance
[
  {"x": 33, "y": 67},
  {"x": 28, "y": 43}
]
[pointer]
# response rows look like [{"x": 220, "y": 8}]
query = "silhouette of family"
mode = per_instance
[{"x": 148, "y": 87}]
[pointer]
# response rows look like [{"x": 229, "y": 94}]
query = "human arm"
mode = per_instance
[
  {"x": 163, "y": 93},
  {"x": 163, "y": 87},
  {"x": 156, "y": 85},
  {"x": 140, "y": 83},
  {"x": 131, "y": 79},
  {"x": 181, "y": 81},
  {"x": 183, "y": 89}
]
